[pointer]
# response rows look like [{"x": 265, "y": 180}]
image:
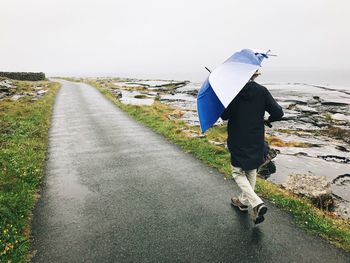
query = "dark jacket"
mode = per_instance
[{"x": 246, "y": 131}]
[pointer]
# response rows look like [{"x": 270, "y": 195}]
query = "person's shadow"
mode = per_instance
[
  {"x": 256, "y": 235},
  {"x": 245, "y": 220}
]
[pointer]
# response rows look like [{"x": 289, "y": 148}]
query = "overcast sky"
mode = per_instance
[{"x": 169, "y": 39}]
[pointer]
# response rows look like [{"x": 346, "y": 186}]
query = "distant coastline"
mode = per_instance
[{"x": 313, "y": 77}]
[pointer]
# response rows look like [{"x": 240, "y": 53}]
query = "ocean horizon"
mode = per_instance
[{"x": 312, "y": 77}]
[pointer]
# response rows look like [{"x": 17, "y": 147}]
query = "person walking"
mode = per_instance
[{"x": 246, "y": 132}]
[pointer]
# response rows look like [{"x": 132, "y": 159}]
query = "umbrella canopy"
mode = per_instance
[{"x": 224, "y": 83}]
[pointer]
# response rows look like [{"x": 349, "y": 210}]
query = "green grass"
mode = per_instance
[
  {"x": 328, "y": 117},
  {"x": 323, "y": 223},
  {"x": 23, "y": 147}
]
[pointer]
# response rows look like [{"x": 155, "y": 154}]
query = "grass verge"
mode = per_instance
[
  {"x": 156, "y": 117},
  {"x": 24, "y": 126}
]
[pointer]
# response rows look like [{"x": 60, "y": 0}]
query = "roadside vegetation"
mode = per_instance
[
  {"x": 24, "y": 128},
  {"x": 159, "y": 118}
]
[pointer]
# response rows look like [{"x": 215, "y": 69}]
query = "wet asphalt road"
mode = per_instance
[{"x": 117, "y": 192}]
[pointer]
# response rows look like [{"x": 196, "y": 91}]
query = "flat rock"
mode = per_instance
[
  {"x": 6, "y": 84},
  {"x": 305, "y": 109},
  {"x": 17, "y": 97},
  {"x": 315, "y": 188},
  {"x": 40, "y": 92}
]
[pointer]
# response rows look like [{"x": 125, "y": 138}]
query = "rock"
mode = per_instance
[
  {"x": 342, "y": 180},
  {"x": 193, "y": 93},
  {"x": 4, "y": 89},
  {"x": 305, "y": 109},
  {"x": 117, "y": 93},
  {"x": 341, "y": 148},
  {"x": 141, "y": 96},
  {"x": 191, "y": 133},
  {"x": 315, "y": 100},
  {"x": 296, "y": 102},
  {"x": 3, "y": 95},
  {"x": 301, "y": 154},
  {"x": 319, "y": 123},
  {"x": 291, "y": 106},
  {"x": 315, "y": 188},
  {"x": 41, "y": 92},
  {"x": 342, "y": 208},
  {"x": 7, "y": 89},
  {"x": 331, "y": 103},
  {"x": 172, "y": 117},
  {"x": 16, "y": 97},
  {"x": 334, "y": 158},
  {"x": 6, "y": 84},
  {"x": 190, "y": 117},
  {"x": 221, "y": 144}
]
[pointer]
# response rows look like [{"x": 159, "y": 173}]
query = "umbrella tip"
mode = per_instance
[
  {"x": 265, "y": 54},
  {"x": 268, "y": 54},
  {"x": 208, "y": 69}
]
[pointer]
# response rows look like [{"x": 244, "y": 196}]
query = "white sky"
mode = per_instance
[{"x": 169, "y": 39}]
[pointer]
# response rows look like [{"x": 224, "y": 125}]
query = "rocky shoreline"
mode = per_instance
[
  {"x": 11, "y": 90},
  {"x": 317, "y": 117}
]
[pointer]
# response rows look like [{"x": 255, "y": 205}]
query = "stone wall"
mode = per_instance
[{"x": 31, "y": 76}]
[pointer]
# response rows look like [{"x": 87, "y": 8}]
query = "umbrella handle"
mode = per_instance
[{"x": 267, "y": 123}]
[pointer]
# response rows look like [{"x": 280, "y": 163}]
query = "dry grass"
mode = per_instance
[{"x": 274, "y": 141}]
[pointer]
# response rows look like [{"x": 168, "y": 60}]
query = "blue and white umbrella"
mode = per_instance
[{"x": 224, "y": 83}]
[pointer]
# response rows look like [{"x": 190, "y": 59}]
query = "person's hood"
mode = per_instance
[{"x": 247, "y": 92}]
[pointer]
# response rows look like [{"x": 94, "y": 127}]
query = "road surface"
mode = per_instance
[{"x": 117, "y": 192}]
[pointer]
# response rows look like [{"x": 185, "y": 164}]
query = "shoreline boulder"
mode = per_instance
[{"x": 315, "y": 188}]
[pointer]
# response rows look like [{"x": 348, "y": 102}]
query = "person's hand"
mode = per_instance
[{"x": 267, "y": 123}]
